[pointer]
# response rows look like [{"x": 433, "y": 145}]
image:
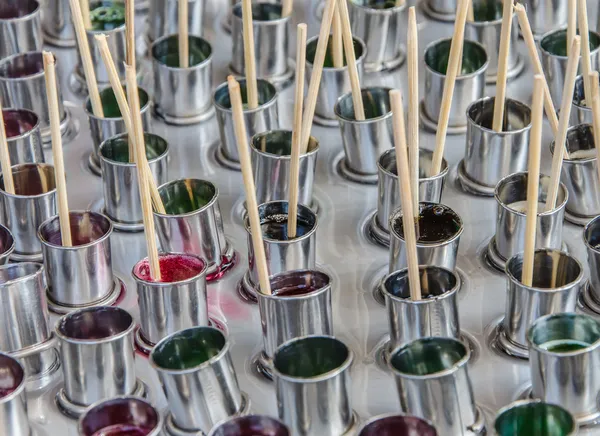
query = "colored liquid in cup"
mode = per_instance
[
  {"x": 173, "y": 268},
  {"x": 294, "y": 291},
  {"x": 564, "y": 346},
  {"x": 276, "y": 227},
  {"x": 5, "y": 392},
  {"x": 436, "y": 224},
  {"x": 123, "y": 430},
  {"x": 107, "y": 17},
  {"x": 17, "y": 123}
]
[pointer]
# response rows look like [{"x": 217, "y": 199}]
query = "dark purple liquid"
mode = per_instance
[
  {"x": 123, "y": 430},
  {"x": 436, "y": 224},
  {"x": 24, "y": 65},
  {"x": 276, "y": 227},
  {"x": 4, "y": 392},
  {"x": 294, "y": 291},
  {"x": 17, "y": 123},
  {"x": 173, "y": 268}
]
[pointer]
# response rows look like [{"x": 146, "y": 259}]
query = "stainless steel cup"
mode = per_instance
[
  {"x": 553, "y": 47},
  {"x": 364, "y": 141},
  {"x": 381, "y": 29},
  {"x": 398, "y": 425},
  {"x": 23, "y": 86},
  {"x": 433, "y": 383},
  {"x": 163, "y": 18},
  {"x": 97, "y": 357},
  {"x": 557, "y": 280},
  {"x": 312, "y": 381},
  {"x": 173, "y": 304},
  {"x": 112, "y": 123},
  {"x": 81, "y": 275},
  {"x": 182, "y": 95},
  {"x": 441, "y": 252},
  {"x": 129, "y": 412},
  {"x": 270, "y": 153},
  {"x": 23, "y": 136},
  {"x": 251, "y": 425},
  {"x": 563, "y": 350},
  {"x": 580, "y": 112},
  {"x": 262, "y": 119},
  {"x": 300, "y": 305},
  {"x": 33, "y": 203},
  {"x": 490, "y": 155},
  {"x": 271, "y": 40},
  {"x": 193, "y": 224},
  {"x": 511, "y": 217},
  {"x": 7, "y": 245},
  {"x": 591, "y": 239},
  {"x": 335, "y": 82},
  {"x": 119, "y": 178},
  {"x": 20, "y": 27},
  {"x": 57, "y": 25},
  {"x": 534, "y": 418},
  {"x": 546, "y": 15},
  {"x": 13, "y": 403},
  {"x": 388, "y": 193},
  {"x": 282, "y": 254},
  {"x": 469, "y": 86},
  {"x": 197, "y": 375}
]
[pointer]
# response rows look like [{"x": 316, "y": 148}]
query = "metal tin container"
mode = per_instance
[
  {"x": 489, "y": 155},
  {"x": 546, "y": 15},
  {"x": 534, "y": 417},
  {"x": 591, "y": 238},
  {"x": 251, "y": 425},
  {"x": 581, "y": 113},
  {"x": 57, "y": 25},
  {"x": 262, "y": 119},
  {"x": 13, "y": 403},
  {"x": 469, "y": 86},
  {"x": 23, "y": 136},
  {"x": 163, "y": 18},
  {"x": 20, "y": 27}
]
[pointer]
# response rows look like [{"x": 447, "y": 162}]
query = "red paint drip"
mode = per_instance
[
  {"x": 173, "y": 268},
  {"x": 226, "y": 264},
  {"x": 123, "y": 430}
]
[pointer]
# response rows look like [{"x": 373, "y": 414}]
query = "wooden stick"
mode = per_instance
[
  {"x": 57, "y": 152},
  {"x": 357, "y": 101},
  {"x": 134, "y": 108},
  {"x": 184, "y": 50},
  {"x": 7, "y": 175},
  {"x": 586, "y": 62},
  {"x": 533, "y": 179},
  {"x": 594, "y": 79},
  {"x": 405, "y": 195},
  {"x": 563, "y": 125},
  {"x": 451, "y": 73},
  {"x": 400, "y": 3},
  {"x": 130, "y": 31},
  {"x": 86, "y": 59},
  {"x": 252, "y": 207},
  {"x": 412, "y": 42},
  {"x": 85, "y": 13},
  {"x": 507, "y": 16},
  {"x": 571, "y": 23},
  {"x": 297, "y": 131},
  {"x": 336, "y": 43},
  {"x": 286, "y": 7},
  {"x": 249, "y": 59},
  {"x": 315, "y": 77},
  {"x": 470, "y": 12}
]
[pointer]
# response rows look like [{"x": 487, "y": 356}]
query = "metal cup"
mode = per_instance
[
  {"x": 82, "y": 275},
  {"x": 398, "y": 425},
  {"x": 580, "y": 112},
  {"x": 433, "y": 383},
  {"x": 335, "y": 82},
  {"x": 23, "y": 86},
  {"x": 13, "y": 403},
  {"x": 193, "y": 224},
  {"x": 546, "y": 15},
  {"x": 511, "y": 217},
  {"x": 300, "y": 305},
  {"x": 470, "y": 84},
  {"x": 251, "y": 425},
  {"x": 20, "y": 27},
  {"x": 119, "y": 178},
  {"x": 553, "y": 47},
  {"x": 591, "y": 239},
  {"x": 198, "y": 378},
  {"x": 441, "y": 252},
  {"x": 382, "y": 30},
  {"x": 490, "y": 155},
  {"x": 262, "y": 119},
  {"x": 57, "y": 25},
  {"x": 111, "y": 124},
  {"x": 23, "y": 136},
  {"x": 132, "y": 413},
  {"x": 163, "y": 18},
  {"x": 171, "y": 304},
  {"x": 282, "y": 254},
  {"x": 557, "y": 280},
  {"x": 563, "y": 350},
  {"x": 440, "y": 10},
  {"x": 270, "y": 153},
  {"x": 388, "y": 194},
  {"x": 271, "y": 39},
  {"x": 534, "y": 418},
  {"x": 312, "y": 381},
  {"x": 7, "y": 245},
  {"x": 364, "y": 141},
  {"x": 33, "y": 203},
  {"x": 182, "y": 95},
  {"x": 95, "y": 342}
]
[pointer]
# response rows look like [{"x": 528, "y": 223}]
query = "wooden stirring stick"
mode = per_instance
[
  {"x": 571, "y": 23},
  {"x": 57, "y": 152},
  {"x": 249, "y": 59},
  {"x": 594, "y": 81},
  {"x": 255, "y": 228},
  {"x": 412, "y": 43},
  {"x": 130, "y": 32},
  {"x": 507, "y": 18},
  {"x": 405, "y": 197},
  {"x": 184, "y": 50},
  {"x": 136, "y": 120},
  {"x": 296, "y": 132},
  {"x": 9, "y": 184},
  {"x": 533, "y": 179},
  {"x": 586, "y": 61},
  {"x": 357, "y": 101},
  {"x": 85, "y": 13},
  {"x": 563, "y": 125},
  {"x": 470, "y": 12},
  {"x": 451, "y": 73},
  {"x": 86, "y": 59},
  {"x": 286, "y": 7},
  {"x": 336, "y": 36}
]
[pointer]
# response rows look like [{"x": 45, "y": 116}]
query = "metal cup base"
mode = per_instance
[
  {"x": 68, "y": 130},
  {"x": 93, "y": 164},
  {"x": 388, "y": 66},
  {"x": 587, "y": 302},
  {"x": 263, "y": 366},
  {"x": 111, "y": 299},
  {"x": 98, "y": 206},
  {"x": 246, "y": 290},
  {"x": 47, "y": 357},
  {"x": 512, "y": 73},
  {"x": 435, "y": 15},
  {"x": 470, "y": 186},
  {"x": 184, "y": 121},
  {"x": 578, "y": 220},
  {"x": 58, "y": 42},
  {"x": 497, "y": 261},
  {"x": 224, "y": 161},
  {"x": 280, "y": 81},
  {"x": 325, "y": 122},
  {"x": 432, "y": 125},
  {"x": 73, "y": 410},
  {"x": 500, "y": 344},
  {"x": 18, "y": 257},
  {"x": 375, "y": 233},
  {"x": 341, "y": 168}
]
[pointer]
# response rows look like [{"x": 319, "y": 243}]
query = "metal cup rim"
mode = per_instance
[
  {"x": 593, "y": 346},
  {"x": 27, "y": 133},
  {"x": 27, "y": 17},
  {"x": 194, "y": 212},
  {"x": 131, "y": 164},
  {"x": 306, "y": 296},
  {"x": 443, "y": 173},
  {"x": 9, "y": 250},
  {"x": 585, "y": 230},
  {"x": 168, "y": 284},
  {"x": 563, "y": 29},
  {"x": 143, "y": 109},
  {"x": 374, "y": 11},
  {"x": 478, "y": 126},
  {"x": 129, "y": 330},
  {"x": 19, "y": 389},
  {"x": 197, "y": 66},
  {"x": 215, "y": 427},
  {"x": 447, "y": 294},
  {"x": 278, "y": 156},
  {"x": 392, "y": 415},
  {"x": 575, "y": 161},
  {"x": 341, "y": 118},
  {"x": 260, "y": 107},
  {"x": 255, "y": 22},
  {"x": 44, "y": 194},
  {"x": 528, "y": 401},
  {"x": 10, "y": 58},
  {"x": 359, "y": 59},
  {"x": 287, "y": 241},
  {"x": 580, "y": 107},
  {"x": 101, "y": 239},
  {"x": 475, "y": 73},
  {"x": 108, "y": 33},
  {"x": 38, "y": 272}
]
